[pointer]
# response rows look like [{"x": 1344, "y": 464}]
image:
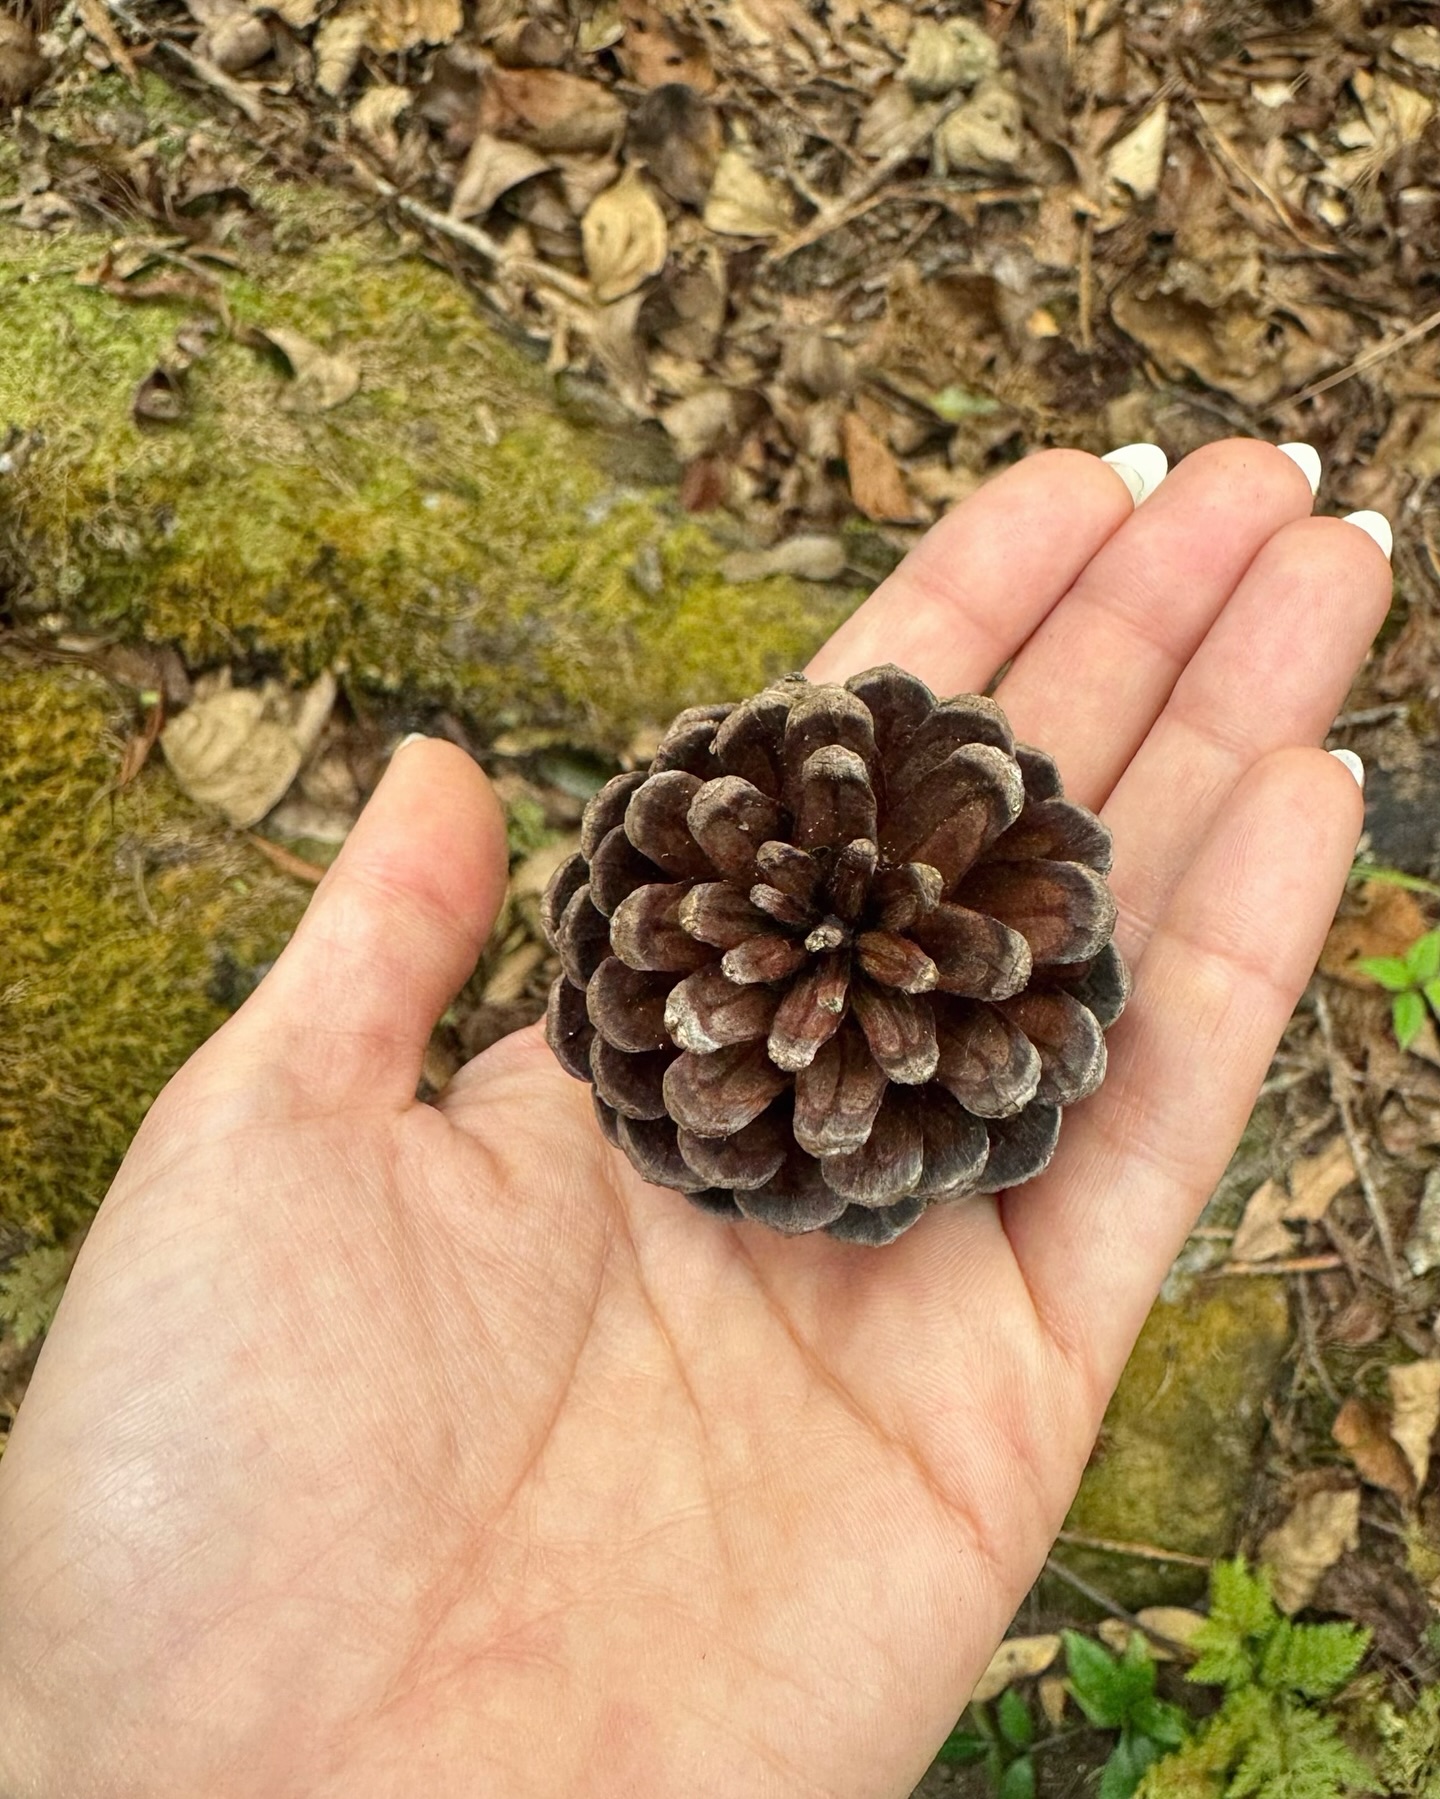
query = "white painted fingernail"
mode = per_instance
[
  {"x": 412, "y": 737},
  {"x": 1376, "y": 525},
  {"x": 1348, "y": 759},
  {"x": 1142, "y": 467},
  {"x": 1307, "y": 459}
]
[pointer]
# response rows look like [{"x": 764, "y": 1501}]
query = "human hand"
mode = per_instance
[{"x": 383, "y": 1448}]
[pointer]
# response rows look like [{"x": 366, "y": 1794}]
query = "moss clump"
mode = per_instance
[
  {"x": 1178, "y": 1446},
  {"x": 444, "y": 533},
  {"x": 113, "y": 912}
]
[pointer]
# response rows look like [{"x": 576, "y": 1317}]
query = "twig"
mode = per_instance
[
  {"x": 1319, "y": 1264},
  {"x": 1377, "y": 353},
  {"x": 201, "y": 67},
  {"x": 1115, "y": 1609},
  {"x": 1371, "y": 715},
  {"x": 286, "y": 860},
  {"x": 1312, "y": 1345},
  {"x": 1145, "y": 1552},
  {"x": 1087, "y": 283},
  {"x": 1340, "y": 1078}
]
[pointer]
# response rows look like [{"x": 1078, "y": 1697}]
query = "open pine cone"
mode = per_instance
[{"x": 838, "y": 954}]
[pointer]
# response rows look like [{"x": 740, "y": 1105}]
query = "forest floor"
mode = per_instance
[{"x": 823, "y": 268}]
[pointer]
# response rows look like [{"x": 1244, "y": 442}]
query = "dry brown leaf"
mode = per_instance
[
  {"x": 554, "y": 110},
  {"x": 1317, "y": 1532},
  {"x": 625, "y": 236},
  {"x": 1414, "y": 1413},
  {"x": 986, "y": 133},
  {"x": 1017, "y": 1658},
  {"x": 235, "y": 42},
  {"x": 1388, "y": 922},
  {"x": 1137, "y": 161},
  {"x": 887, "y": 126},
  {"x": 700, "y": 422},
  {"x": 1418, "y": 44},
  {"x": 160, "y": 397},
  {"x": 513, "y": 974},
  {"x": 1362, "y": 1430},
  {"x": 1422, "y": 1249},
  {"x": 1318, "y": 1179},
  {"x": 323, "y": 381},
  {"x": 654, "y": 50},
  {"x": 745, "y": 203},
  {"x": 1260, "y": 1236},
  {"x": 101, "y": 27},
  {"x": 876, "y": 484},
  {"x": 1054, "y": 1695},
  {"x": 405, "y": 24},
  {"x": 1176, "y": 1623},
  {"x": 237, "y": 749},
  {"x": 941, "y": 58},
  {"x": 808, "y": 557},
  {"x": 375, "y": 113},
  {"x": 492, "y": 167},
  {"x": 677, "y": 134},
  {"x": 338, "y": 44},
  {"x": 299, "y": 15}
]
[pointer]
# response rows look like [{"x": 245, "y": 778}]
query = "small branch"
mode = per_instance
[
  {"x": 200, "y": 67},
  {"x": 1115, "y": 1609},
  {"x": 1145, "y": 1552},
  {"x": 1320, "y": 1264},
  {"x": 1377, "y": 353},
  {"x": 1341, "y": 1077}
]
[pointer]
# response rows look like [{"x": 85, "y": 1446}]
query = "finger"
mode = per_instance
[
  {"x": 393, "y": 931},
  {"x": 1093, "y": 679},
  {"x": 1095, "y": 1234},
  {"x": 977, "y": 585},
  {"x": 1274, "y": 671}
]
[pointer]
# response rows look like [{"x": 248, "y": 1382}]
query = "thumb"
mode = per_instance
[{"x": 393, "y": 931}]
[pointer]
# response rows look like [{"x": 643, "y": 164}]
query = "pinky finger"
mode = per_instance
[{"x": 1095, "y": 1235}]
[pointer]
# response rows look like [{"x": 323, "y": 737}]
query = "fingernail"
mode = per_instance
[
  {"x": 1376, "y": 525},
  {"x": 1348, "y": 759},
  {"x": 1142, "y": 467},
  {"x": 1307, "y": 459},
  {"x": 412, "y": 737}
]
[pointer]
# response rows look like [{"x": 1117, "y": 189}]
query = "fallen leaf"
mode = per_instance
[
  {"x": 625, "y": 236},
  {"x": 876, "y": 484},
  {"x": 1418, "y": 44},
  {"x": 1317, "y": 1532},
  {"x": 237, "y": 749},
  {"x": 745, "y": 203},
  {"x": 338, "y": 44},
  {"x": 1362, "y": 1430},
  {"x": 322, "y": 381},
  {"x": 941, "y": 58},
  {"x": 1260, "y": 1236},
  {"x": 1316, "y": 1180},
  {"x": 1017, "y": 1658},
  {"x": 299, "y": 15},
  {"x": 22, "y": 67},
  {"x": 102, "y": 28},
  {"x": 1414, "y": 1412},
  {"x": 556, "y": 111},
  {"x": 677, "y": 133},
  {"x": 513, "y": 974},
  {"x": 1054, "y": 1694},
  {"x": 654, "y": 50},
  {"x": 700, "y": 422},
  {"x": 1422, "y": 1249},
  {"x": 159, "y": 398},
  {"x": 986, "y": 133},
  {"x": 492, "y": 167},
  {"x": 375, "y": 113},
  {"x": 809, "y": 557},
  {"x": 405, "y": 24},
  {"x": 1137, "y": 161},
  {"x": 1388, "y": 921}
]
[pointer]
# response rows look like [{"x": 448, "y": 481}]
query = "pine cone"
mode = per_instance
[{"x": 838, "y": 954}]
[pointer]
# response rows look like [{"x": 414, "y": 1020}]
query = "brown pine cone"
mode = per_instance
[{"x": 838, "y": 954}]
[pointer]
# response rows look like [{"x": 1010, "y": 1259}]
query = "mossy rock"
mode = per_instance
[
  {"x": 446, "y": 533},
  {"x": 118, "y": 914},
  {"x": 1177, "y": 1451}
]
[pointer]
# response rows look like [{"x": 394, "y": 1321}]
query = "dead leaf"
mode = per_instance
[
  {"x": 701, "y": 421},
  {"x": 876, "y": 484},
  {"x": 1175, "y": 1622},
  {"x": 513, "y": 974},
  {"x": 745, "y": 203},
  {"x": 1388, "y": 921},
  {"x": 322, "y": 381},
  {"x": 1017, "y": 1658},
  {"x": 492, "y": 167},
  {"x": 159, "y": 398},
  {"x": 1363, "y": 1431},
  {"x": 22, "y": 66},
  {"x": 677, "y": 133},
  {"x": 1261, "y": 1236},
  {"x": 299, "y": 15},
  {"x": 405, "y": 24},
  {"x": 1422, "y": 1250},
  {"x": 1414, "y": 1412},
  {"x": 1418, "y": 44},
  {"x": 808, "y": 557},
  {"x": 986, "y": 133},
  {"x": 101, "y": 27},
  {"x": 555, "y": 111},
  {"x": 941, "y": 58},
  {"x": 375, "y": 113},
  {"x": 237, "y": 749},
  {"x": 655, "y": 50},
  {"x": 1137, "y": 161},
  {"x": 625, "y": 236},
  {"x": 1054, "y": 1695},
  {"x": 338, "y": 44},
  {"x": 1317, "y": 1532},
  {"x": 1316, "y": 1180}
]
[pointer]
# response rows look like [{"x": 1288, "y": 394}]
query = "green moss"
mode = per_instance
[
  {"x": 1177, "y": 1451},
  {"x": 444, "y": 533},
  {"x": 113, "y": 912}
]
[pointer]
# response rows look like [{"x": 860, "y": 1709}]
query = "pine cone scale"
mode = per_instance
[{"x": 838, "y": 954}]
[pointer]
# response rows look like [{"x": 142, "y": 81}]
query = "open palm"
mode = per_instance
[{"x": 382, "y": 1448}]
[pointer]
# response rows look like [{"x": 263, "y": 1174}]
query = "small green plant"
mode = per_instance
[
  {"x": 1410, "y": 1752},
  {"x": 1412, "y": 981},
  {"x": 1270, "y": 1739},
  {"x": 1118, "y": 1693},
  {"x": 30, "y": 1290},
  {"x": 1003, "y": 1742}
]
